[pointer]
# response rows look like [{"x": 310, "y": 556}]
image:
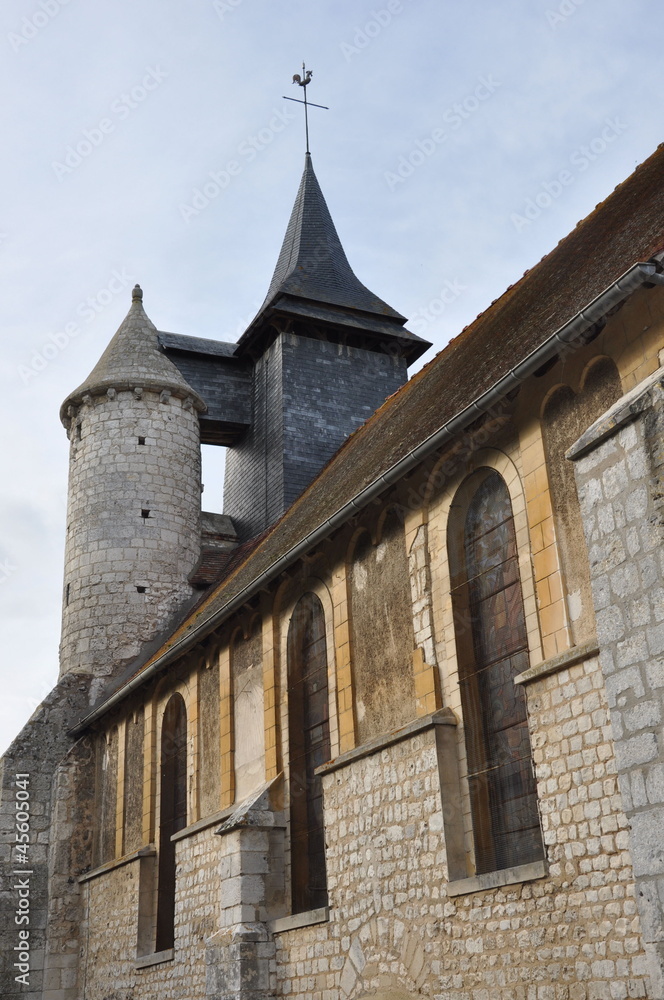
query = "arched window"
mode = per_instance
[
  {"x": 107, "y": 758},
  {"x": 382, "y": 633},
  {"x": 566, "y": 416},
  {"x": 133, "y": 782},
  {"x": 248, "y": 710},
  {"x": 173, "y": 813},
  {"x": 309, "y": 738},
  {"x": 492, "y": 648}
]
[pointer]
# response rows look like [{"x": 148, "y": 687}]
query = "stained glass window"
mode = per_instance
[
  {"x": 173, "y": 813},
  {"x": 309, "y": 729},
  {"x": 492, "y": 648}
]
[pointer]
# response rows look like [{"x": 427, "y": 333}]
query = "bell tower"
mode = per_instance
[{"x": 325, "y": 353}]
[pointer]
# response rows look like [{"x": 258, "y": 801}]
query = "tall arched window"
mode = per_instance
[
  {"x": 309, "y": 737},
  {"x": 107, "y": 758},
  {"x": 566, "y": 416},
  {"x": 492, "y": 648},
  {"x": 173, "y": 813}
]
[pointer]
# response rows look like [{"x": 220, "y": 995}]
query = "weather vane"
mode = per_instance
[{"x": 304, "y": 81}]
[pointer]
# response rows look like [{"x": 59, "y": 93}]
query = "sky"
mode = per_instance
[{"x": 151, "y": 142}]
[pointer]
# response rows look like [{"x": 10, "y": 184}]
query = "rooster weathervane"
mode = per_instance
[{"x": 304, "y": 82}]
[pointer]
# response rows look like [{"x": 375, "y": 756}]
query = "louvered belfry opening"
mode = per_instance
[
  {"x": 173, "y": 813},
  {"x": 492, "y": 649},
  {"x": 309, "y": 730}
]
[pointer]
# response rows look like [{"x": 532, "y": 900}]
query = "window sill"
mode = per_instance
[
  {"x": 203, "y": 824},
  {"x": 142, "y": 852},
  {"x": 562, "y": 661},
  {"x": 493, "y": 880},
  {"x": 306, "y": 919},
  {"x": 442, "y": 717},
  {"x": 145, "y": 961}
]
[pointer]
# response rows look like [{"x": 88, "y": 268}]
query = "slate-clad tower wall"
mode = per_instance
[
  {"x": 133, "y": 521},
  {"x": 308, "y": 396}
]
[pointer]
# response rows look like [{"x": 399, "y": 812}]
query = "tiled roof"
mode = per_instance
[
  {"x": 626, "y": 228},
  {"x": 196, "y": 345}
]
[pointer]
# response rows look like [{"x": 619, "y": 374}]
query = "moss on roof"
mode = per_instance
[{"x": 626, "y": 228}]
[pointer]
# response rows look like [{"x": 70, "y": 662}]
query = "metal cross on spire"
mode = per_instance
[{"x": 304, "y": 81}]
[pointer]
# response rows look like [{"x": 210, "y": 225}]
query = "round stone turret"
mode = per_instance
[{"x": 133, "y": 518}]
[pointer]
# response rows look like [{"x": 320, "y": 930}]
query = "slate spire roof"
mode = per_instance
[
  {"x": 133, "y": 359},
  {"x": 314, "y": 280},
  {"x": 312, "y": 263}
]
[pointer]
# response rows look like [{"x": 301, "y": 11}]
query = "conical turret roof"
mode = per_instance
[
  {"x": 133, "y": 360},
  {"x": 313, "y": 279}
]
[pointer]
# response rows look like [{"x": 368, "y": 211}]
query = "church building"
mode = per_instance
[{"x": 391, "y": 725}]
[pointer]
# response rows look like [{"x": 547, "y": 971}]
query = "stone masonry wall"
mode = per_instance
[
  {"x": 619, "y": 469},
  {"x": 112, "y": 549},
  {"x": 38, "y": 751},
  {"x": 112, "y": 907},
  {"x": 573, "y": 935}
]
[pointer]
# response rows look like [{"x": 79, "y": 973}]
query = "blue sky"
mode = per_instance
[{"x": 463, "y": 141}]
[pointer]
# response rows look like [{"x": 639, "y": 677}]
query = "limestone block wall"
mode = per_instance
[
  {"x": 573, "y": 934},
  {"x": 133, "y": 532},
  {"x": 112, "y": 927},
  {"x": 619, "y": 470},
  {"x": 56, "y": 806}
]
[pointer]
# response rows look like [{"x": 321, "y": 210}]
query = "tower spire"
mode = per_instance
[{"x": 313, "y": 280}]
